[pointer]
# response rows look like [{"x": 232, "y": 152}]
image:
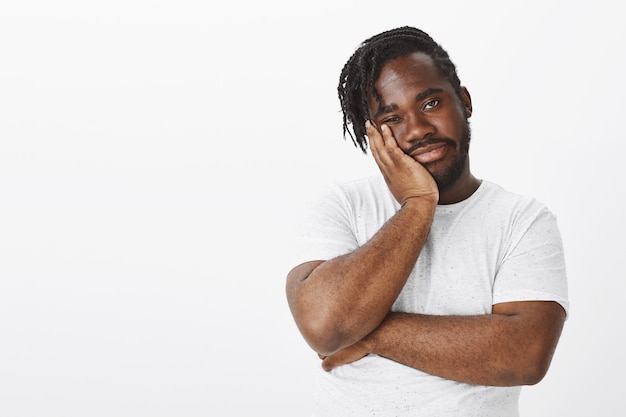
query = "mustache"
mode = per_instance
[{"x": 427, "y": 142}]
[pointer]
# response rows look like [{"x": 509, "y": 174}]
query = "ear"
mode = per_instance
[{"x": 466, "y": 101}]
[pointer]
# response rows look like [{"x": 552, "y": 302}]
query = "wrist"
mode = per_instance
[{"x": 423, "y": 202}]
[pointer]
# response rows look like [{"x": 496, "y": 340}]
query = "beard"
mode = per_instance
[{"x": 447, "y": 177}]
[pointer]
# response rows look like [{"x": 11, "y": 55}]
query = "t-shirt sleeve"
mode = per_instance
[
  {"x": 325, "y": 229},
  {"x": 533, "y": 267}
]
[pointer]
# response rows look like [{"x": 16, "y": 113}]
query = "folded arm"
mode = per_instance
[
  {"x": 512, "y": 346},
  {"x": 336, "y": 303}
]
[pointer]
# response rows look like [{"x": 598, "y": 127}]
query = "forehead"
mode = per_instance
[{"x": 415, "y": 70}]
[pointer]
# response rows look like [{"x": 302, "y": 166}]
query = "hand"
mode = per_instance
[
  {"x": 348, "y": 355},
  {"x": 405, "y": 177}
]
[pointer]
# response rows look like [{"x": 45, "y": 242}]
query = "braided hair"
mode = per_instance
[{"x": 363, "y": 68}]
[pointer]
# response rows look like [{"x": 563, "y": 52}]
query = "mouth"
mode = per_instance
[{"x": 430, "y": 153}]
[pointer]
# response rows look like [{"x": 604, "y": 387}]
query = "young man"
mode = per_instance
[{"x": 425, "y": 292}]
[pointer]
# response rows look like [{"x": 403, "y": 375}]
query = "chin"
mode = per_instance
[{"x": 447, "y": 177}]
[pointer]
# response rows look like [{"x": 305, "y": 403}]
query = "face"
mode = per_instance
[{"x": 427, "y": 117}]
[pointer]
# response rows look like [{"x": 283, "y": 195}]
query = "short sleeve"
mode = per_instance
[
  {"x": 325, "y": 229},
  {"x": 533, "y": 268}
]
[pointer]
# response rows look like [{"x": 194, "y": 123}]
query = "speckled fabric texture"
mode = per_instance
[{"x": 493, "y": 247}]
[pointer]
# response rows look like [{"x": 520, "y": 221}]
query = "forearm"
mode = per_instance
[
  {"x": 494, "y": 349},
  {"x": 344, "y": 299}
]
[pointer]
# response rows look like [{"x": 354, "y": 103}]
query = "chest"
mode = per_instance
[{"x": 457, "y": 266}]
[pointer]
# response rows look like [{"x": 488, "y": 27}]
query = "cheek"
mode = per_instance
[
  {"x": 452, "y": 126},
  {"x": 399, "y": 132}
]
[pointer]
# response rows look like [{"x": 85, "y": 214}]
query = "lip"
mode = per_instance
[{"x": 430, "y": 153}]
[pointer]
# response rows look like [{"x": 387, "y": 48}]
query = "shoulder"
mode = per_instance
[
  {"x": 373, "y": 183},
  {"x": 502, "y": 200},
  {"x": 518, "y": 215},
  {"x": 366, "y": 191}
]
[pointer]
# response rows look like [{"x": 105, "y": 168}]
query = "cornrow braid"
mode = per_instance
[{"x": 363, "y": 68}]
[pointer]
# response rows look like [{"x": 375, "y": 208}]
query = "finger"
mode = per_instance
[
  {"x": 375, "y": 140},
  {"x": 378, "y": 142},
  {"x": 327, "y": 364},
  {"x": 343, "y": 357},
  {"x": 373, "y": 134},
  {"x": 388, "y": 153},
  {"x": 387, "y": 141},
  {"x": 387, "y": 135},
  {"x": 374, "y": 126}
]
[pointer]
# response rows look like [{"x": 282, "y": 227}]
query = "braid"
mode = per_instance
[{"x": 363, "y": 68}]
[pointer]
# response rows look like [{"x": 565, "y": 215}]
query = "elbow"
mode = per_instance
[
  {"x": 539, "y": 358},
  {"x": 537, "y": 370},
  {"x": 317, "y": 325},
  {"x": 321, "y": 327},
  {"x": 318, "y": 322},
  {"x": 530, "y": 376},
  {"x": 527, "y": 377},
  {"x": 322, "y": 336},
  {"x": 531, "y": 368}
]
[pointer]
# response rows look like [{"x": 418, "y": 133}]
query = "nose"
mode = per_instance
[{"x": 416, "y": 128}]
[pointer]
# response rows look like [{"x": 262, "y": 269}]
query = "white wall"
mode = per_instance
[{"x": 153, "y": 154}]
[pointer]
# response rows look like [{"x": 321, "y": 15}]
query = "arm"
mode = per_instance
[
  {"x": 336, "y": 303},
  {"x": 512, "y": 346}
]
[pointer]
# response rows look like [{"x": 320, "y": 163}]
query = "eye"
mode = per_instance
[
  {"x": 390, "y": 119},
  {"x": 431, "y": 104}
]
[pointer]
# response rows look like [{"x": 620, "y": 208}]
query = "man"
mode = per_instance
[{"x": 427, "y": 292}]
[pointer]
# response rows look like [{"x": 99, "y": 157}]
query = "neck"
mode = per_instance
[{"x": 464, "y": 187}]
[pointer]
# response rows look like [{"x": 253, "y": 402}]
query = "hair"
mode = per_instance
[{"x": 363, "y": 68}]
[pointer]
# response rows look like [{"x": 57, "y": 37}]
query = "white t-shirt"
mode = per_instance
[{"x": 491, "y": 248}]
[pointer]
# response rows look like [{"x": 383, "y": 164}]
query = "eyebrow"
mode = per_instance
[{"x": 421, "y": 96}]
